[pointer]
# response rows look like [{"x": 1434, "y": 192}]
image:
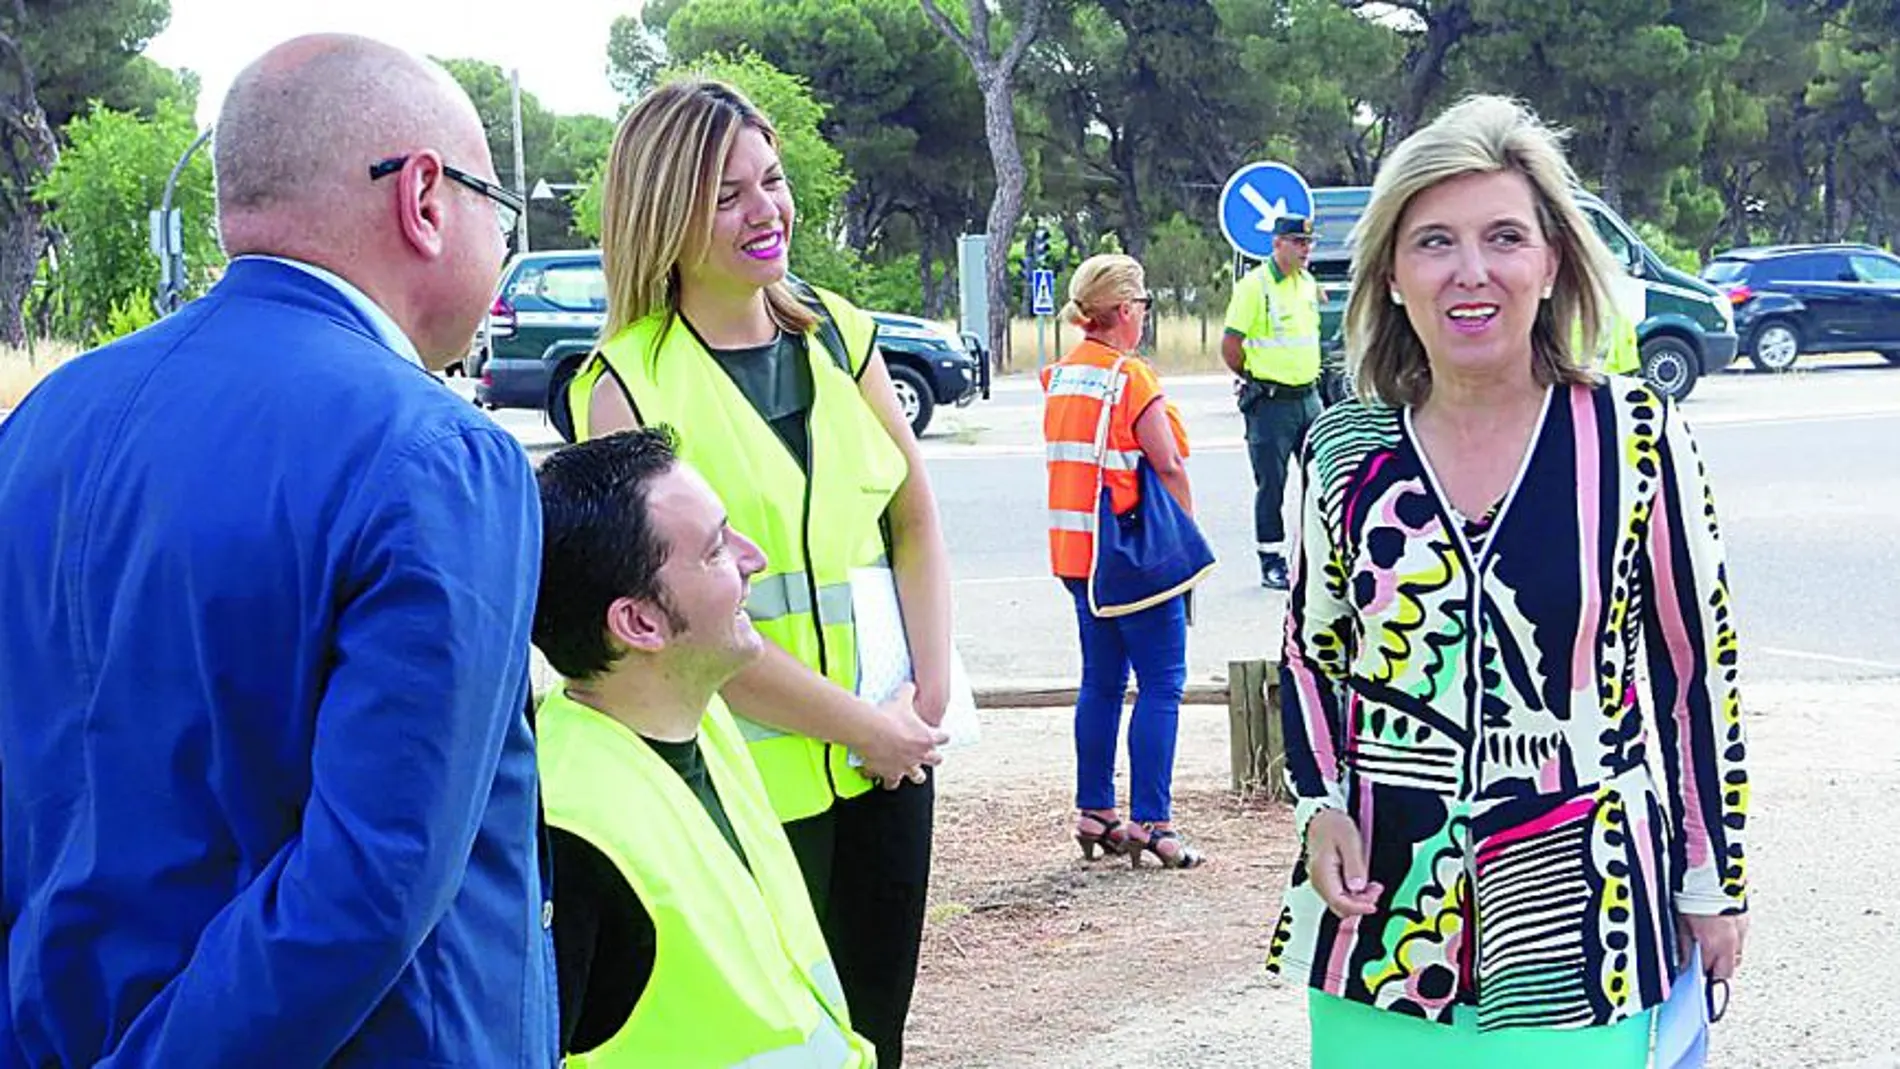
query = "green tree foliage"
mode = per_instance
[
  {"x": 1854, "y": 101},
  {"x": 1181, "y": 265},
  {"x": 1113, "y": 123},
  {"x": 996, "y": 58},
  {"x": 98, "y": 197},
  {"x": 636, "y": 54},
  {"x": 1634, "y": 79},
  {"x": 1330, "y": 87},
  {"x": 55, "y": 56},
  {"x": 88, "y": 50},
  {"x": 814, "y": 168},
  {"x": 560, "y": 149},
  {"x": 901, "y": 108}
]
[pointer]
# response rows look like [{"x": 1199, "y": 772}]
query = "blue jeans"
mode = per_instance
[{"x": 1154, "y": 642}]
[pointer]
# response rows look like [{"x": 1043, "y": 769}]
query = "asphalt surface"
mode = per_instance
[
  {"x": 1806, "y": 487},
  {"x": 1804, "y": 469}
]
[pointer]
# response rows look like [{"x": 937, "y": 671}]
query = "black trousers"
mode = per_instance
[
  {"x": 1275, "y": 424},
  {"x": 866, "y": 862}
]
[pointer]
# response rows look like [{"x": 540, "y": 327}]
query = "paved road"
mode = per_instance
[{"x": 1804, "y": 467}]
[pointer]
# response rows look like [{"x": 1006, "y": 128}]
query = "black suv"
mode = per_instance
[
  {"x": 1794, "y": 299},
  {"x": 551, "y": 306},
  {"x": 930, "y": 366}
]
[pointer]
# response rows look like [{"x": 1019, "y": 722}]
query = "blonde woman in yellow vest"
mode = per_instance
[
  {"x": 782, "y": 402},
  {"x": 662, "y": 833}
]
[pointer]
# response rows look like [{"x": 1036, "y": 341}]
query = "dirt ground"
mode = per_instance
[
  {"x": 1033, "y": 957},
  {"x": 1028, "y": 945}
]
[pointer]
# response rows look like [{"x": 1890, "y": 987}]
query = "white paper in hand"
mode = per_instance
[
  {"x": 884, "y": 655},
  {"x": 883, "y": 648}
]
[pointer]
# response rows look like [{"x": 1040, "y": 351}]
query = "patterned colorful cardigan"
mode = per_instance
[{"x": 1477, "y": 714}]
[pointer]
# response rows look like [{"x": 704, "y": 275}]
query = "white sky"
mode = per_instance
[{"x": 560, "y": 46}]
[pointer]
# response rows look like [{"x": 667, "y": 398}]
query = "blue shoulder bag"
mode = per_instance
[{"x": 1150, "y": 553}]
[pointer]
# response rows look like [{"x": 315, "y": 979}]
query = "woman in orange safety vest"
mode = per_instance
[{"x": 1109, "y": 300}]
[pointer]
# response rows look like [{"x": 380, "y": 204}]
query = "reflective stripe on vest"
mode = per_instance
[
  {"x": 746, "y": 979},
  {"x": 1075, "y": 389},
  {"x": 855, "y": 469},
  {"x": 1080, "y": 380},
  {"x": 790, "y": 592},
  {"x": 1084, "y": 453},
  {"x": 826, "y": 1047},
  {"x": 1279, "y": 344},
  {"x": 1071, "y": 520}
]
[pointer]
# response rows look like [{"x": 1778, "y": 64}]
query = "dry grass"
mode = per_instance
[
  {"x": 22, "y": 369},
  {"x": 1183, "y": 345}
]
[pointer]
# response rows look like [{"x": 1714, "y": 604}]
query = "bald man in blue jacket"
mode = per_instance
[{"x": 267, "y": 786}]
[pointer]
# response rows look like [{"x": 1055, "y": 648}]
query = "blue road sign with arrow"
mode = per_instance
[
  {"x": 1254, "y": 199},
  {"x": 1042, "y": 292}
]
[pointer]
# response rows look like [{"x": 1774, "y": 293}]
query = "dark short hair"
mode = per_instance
[{"x": 598, "y": 544}]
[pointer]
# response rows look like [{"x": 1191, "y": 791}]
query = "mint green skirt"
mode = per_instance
[{"x": 1352, "y": 1035}]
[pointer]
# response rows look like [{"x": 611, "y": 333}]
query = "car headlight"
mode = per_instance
[{"x": 1726, "y": 309}]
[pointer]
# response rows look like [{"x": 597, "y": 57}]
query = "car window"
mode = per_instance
[
  {"x": 1334, "y": 213},
  {"x": 1876, "y": 268},
  {"x": 1724, "y": 271},
  {"x": 574, "y": 287},
  {"x": 1787, "y": 269},
  {"x": 525, "y": 282},
  {"x": 1613, "y": 237},
  {"x": 1833, "y": 268}
]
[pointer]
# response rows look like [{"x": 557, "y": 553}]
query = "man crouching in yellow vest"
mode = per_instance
[{"x": 662, "y": 832}]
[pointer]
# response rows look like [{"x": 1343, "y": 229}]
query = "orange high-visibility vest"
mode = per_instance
[{"x": 1074, "y": 389}]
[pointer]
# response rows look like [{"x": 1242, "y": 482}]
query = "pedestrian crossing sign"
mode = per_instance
[{"x": 1042, "y": 292}]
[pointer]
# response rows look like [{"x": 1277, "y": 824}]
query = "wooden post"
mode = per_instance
[{"x": 1256, "y": 743}]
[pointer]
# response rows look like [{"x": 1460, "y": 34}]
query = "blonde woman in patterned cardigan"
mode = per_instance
[{"x": 1490, "y": 539}]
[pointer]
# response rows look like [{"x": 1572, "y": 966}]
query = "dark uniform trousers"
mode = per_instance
[{"x": 1277, "y": 418}]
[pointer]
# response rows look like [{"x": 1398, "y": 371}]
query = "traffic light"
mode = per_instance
[{"x": 1038, "y": 252}]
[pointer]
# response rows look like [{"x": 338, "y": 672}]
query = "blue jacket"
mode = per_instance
[{"x": 267, "y": 786}]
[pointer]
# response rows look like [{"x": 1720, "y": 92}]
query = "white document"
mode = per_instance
[{"x": 884, "y": 656}]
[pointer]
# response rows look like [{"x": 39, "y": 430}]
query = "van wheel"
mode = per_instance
[
  {"x": 1777, "y": 346},
  {"x": 913, "y": 397},
  {"x": 1670, "y": 365},
  {"x": 1335, "y": 386}
]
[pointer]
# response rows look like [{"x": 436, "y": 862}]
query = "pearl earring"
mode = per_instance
[
  {"x": 1547, "y": 290},
  {"x": 1396, "y": 297}
]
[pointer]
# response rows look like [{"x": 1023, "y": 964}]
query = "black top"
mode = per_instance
[
  {"x": 776, "y": 378},
  {"x": 603, "y": 936}
]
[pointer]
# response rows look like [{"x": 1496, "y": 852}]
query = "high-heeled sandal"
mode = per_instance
[
  {"x": 1183, "y": 856},
  {"x": 1111, "y": 836}
]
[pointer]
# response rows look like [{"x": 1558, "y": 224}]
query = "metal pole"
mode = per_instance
[
  {"x": 1041, "y": 322},
  {"x": 172, "y": 282},
  {"x": 521, "y": 180}
]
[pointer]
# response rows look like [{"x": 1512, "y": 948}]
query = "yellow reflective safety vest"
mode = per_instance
[
  {"x": 1277, "y": 317},
  {"x": 1622, "y": 356},
  {"x": 742, "y": 978},
  {"x": 814, "y": 530},
  {"x": 1619, "y": 352}
]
